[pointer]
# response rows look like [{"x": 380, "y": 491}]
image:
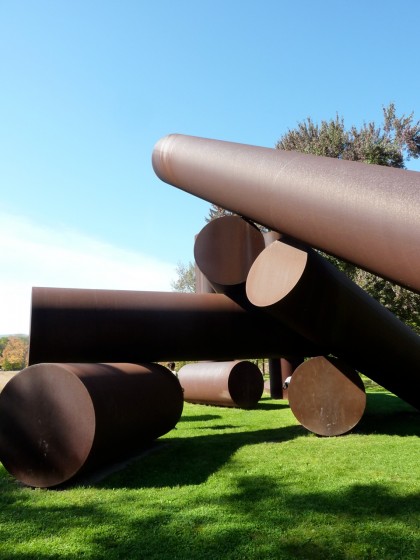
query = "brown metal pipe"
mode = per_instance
[
  {"x": 224, "y": 252},
  {"x": 233, "y": 384},
  {"x": 59, "y": 421},
  {"x": 78, "y": 325},
  {"x": 280, "y": 370},
  {"x": 365, "y": 214},
  {"x": 327, "y": 396},
  {"x": 311, "y": 296}
]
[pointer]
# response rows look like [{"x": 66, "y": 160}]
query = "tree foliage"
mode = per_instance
[
  {"x": 15, "y": 353},
  {"x": 392, "y": 145},
  {"x": 186, "y": 278}
]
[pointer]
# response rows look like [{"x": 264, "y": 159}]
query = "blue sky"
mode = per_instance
[{"x": 89, "y": 86}]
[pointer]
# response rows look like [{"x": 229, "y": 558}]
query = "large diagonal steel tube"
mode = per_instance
[
  {"x": 84, "y": 325},
  {"x": 366, "y": 214},
  {"x": 303, "y": 290}
]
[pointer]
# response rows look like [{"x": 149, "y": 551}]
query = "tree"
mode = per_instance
[
  {"x": 392, "y": 145},
  {"x": 15, "y": 354},
  {"x": 396, "y": 142},
  {"x": 186, "y": 278},
  {"x": 3, "y": 342}
]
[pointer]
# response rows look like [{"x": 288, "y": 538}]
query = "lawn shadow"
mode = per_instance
[
  {"x": 191, "y": 460},
  {"x": 388, "y": 415}
]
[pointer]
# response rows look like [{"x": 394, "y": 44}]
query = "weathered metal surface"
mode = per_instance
[
  {"x": 61, "y": 420},
  {"x": 224, "y": 252},
  {"x": 233, "y": 384},
  {"x": 366, "y": 214},
  {"x": 77, "y": 325},
  {"x": 307, "y": 293},
  {"x": 202, "y": 285},
  {"x": 327, "y": 396}
]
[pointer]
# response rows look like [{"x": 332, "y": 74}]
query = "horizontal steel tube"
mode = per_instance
[
  {"x": 365, "y": 214},
  {"x": 233, "y": 384},
  {"x": 78, "y": 325},
  {"x": 59, "y": 421}
]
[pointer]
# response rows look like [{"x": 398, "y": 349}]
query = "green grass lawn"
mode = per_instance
[{"x": 237, "y": 484}]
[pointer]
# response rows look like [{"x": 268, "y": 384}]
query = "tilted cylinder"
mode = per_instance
[
  {"x": 303, "y": 290},
  {"x": 365, "y": 214}
]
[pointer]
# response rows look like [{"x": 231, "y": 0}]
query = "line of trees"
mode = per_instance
[
  {"x": 14, "y": 352},
  {"x": 393, "y": 143}
]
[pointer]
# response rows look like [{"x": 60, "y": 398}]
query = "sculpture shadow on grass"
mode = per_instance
[
  {"x": 192, "y": 460},
  {"x": 388, "y": 415}
]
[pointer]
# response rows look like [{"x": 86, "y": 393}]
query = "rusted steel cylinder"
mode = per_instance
[
  {"x": 327, "y": 396},
  {"x": 77, "y": 325},
  {"x": 224, "y": 252},
  {"x": 59, "y": 421},
  {"x": 233, "y": 384},
  {"x": 281, "y": 369},
  {"x": 202, "y": 285},
  {"x": 311, "y": 296},
  {"x": 365, "y": 214}
]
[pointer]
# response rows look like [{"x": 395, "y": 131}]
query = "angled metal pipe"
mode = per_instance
[
  {"x": 311, "y": 296},
  {"x": 224, "y": 252},
  {"x": 82, "y": 325},
  {"x": 366, "y": 214}
]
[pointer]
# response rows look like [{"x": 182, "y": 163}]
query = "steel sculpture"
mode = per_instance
[
  {"x": 365, "y": 214},
  {"x": 327, "y": 396},
  {"x": 280, "y": 369},
  {"x": 235, "y": 383},
  {"x": 59, "y": 422},
  {"x": 303, "y": 290},
  {"x": 224, "y": 252},
  {"x": 82, "y": 325}
]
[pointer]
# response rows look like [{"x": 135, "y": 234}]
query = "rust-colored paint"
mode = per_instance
[
  {"x": 365, "y": 214},
  {"x": 78, "y": 325},
  {"x": 327, "y": 396},
  {"x": 58, "y": 421},
  {"x": 304, "y": 291},
  {"x": 233, "y": 384},
  {"x": 224, "y": 252}
]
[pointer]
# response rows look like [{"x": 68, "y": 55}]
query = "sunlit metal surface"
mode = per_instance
[
  {"x": 327, "y": 396},
  {"x": 366, "y": 214},
  {"x": 62, "y": 420},
  {"x": 233, "y": 384},
  {"x": 303, "y": 290}
]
